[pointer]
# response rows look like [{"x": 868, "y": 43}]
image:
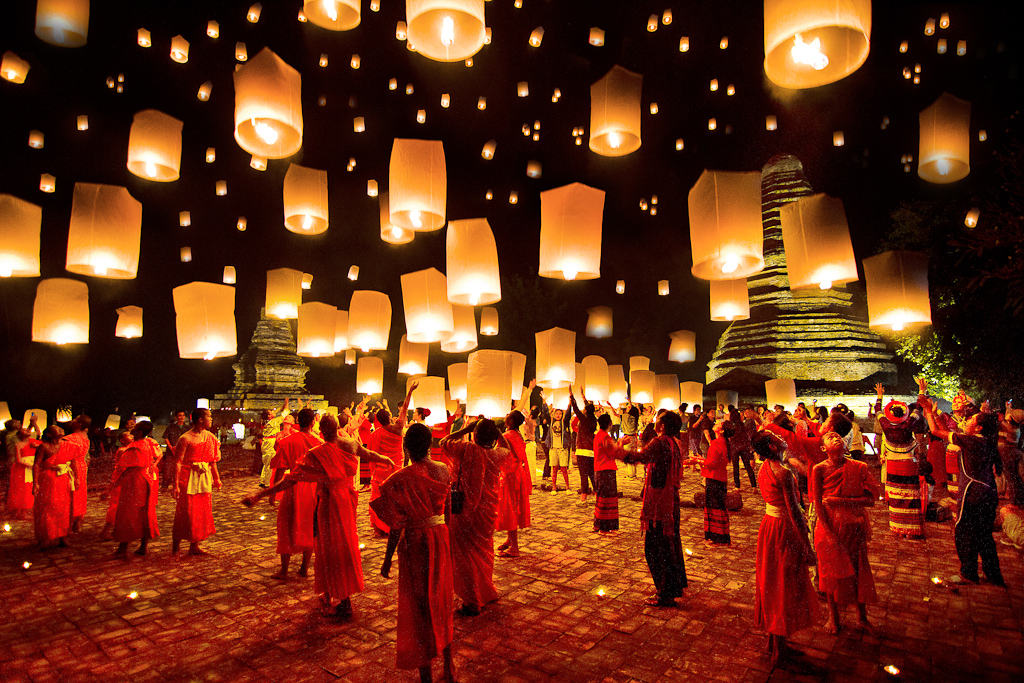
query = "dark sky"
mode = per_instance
[{"x": 146, "y": 375}]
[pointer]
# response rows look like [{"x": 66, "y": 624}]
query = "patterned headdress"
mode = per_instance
[{"x": 889, "y": 412}]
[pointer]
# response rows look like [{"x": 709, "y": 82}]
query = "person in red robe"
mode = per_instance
[
  {"x": 515, "y": 488},
  {"x": 137, "y": 486},
  {"x": 298, "y": 503},
  {"x": 476, "y": 468},
  {"x": 53, "y": 480},
  {"x": 78, "y": 441},
  {"x": 197, "y": 453},
  {"x": 19, "y": 493},
  {"x": 387, "y": 439},
  {"x": 414, "y": 502},
  {"x": 114, "y": 493},
  {"x": 331, "y": 466},
  {"x": 716, "y": 517}
]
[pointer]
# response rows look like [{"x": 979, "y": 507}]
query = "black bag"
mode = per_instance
[{"x": 458, "y": 495}]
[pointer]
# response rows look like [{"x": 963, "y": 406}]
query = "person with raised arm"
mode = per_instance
[
  {"x": 585, "y": 442},
  {"x": 387, "y": 440}
]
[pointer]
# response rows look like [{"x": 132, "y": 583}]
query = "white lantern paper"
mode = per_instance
[
  {"x": 369, "y": 320},
  {"x": 518, "y": 372},
  {"x": 639, "y": 363},
  {"x": 596, "y": 370},
  {"x": 370, "y": 375},
  {"x": 666, "y": 391},
  {"x": 683, "y": 347},
  {"x": 129, "y": 322},
  {"x": 13, "y": 68},
  {"x": 781, "y": 392},
  {"x": 341, "y": 332},
  {"x": 317, "y": 328},
  {"x": 615, "y": 113},
  {"x": 428, "y": 315},
  {"x": 284, "y": 293},
  {"x": 333, "y": 15},
  {"x": 897, "y": 289},
  {"x": 105, "y": 231},
  {"x": 20, "y": 223},
  {"x": 464, "y": 337},
  {"x": 945, "y": 142},
  {"x": 617, "y": 387},
  {"x": 472, "y": 258},
  {"x": 726, "y": 233},
  {"x": 446, "y": 30},
  {"x": 412, "y": 357},
  {"x": 268, "y": 107},
  {"x": 692, "y": 394},
  {"x": 154, "y": 146},
  {"x": 641, "y": 386},
  {"x": 418, "y": 184},
  {"x": 488, "y": 381},
  {"x": 430, "y": 395},
  {"x": 556, "y": 358},
  {"x": 599, "y": 322},
  {"x": 305, "y": 200},
  {"x": 457, "y": 381},
  {"x": 819, "y": 252},
  {"x": 730, "y": 300},
  {"x": 488, "y": 321},
  {"x": 570, "y": 232},
  {"x": 64, "y": 23},
  {"x": 60, "y": 314},
  {"x": 205, "y": 320},
  {"x": 229, "y": 275}
]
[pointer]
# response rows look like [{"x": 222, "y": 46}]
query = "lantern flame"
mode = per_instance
[
  {"x": 730, "y": 264},
  {"x": 942, "y": 166},
  {"x": 331, "y": 10},
  {"x": 151, "y": 169},
  {"x": 396, "y": 232},
  {"x": 809, "y": 53},
  {"x": 614, "y": 140},
  {"x": 210, "y": 355},
  {"x": 265, "y": 132},
  {"x": 307, "y": 222},
  {"x": 416, "y": 218},
  {"x": 6, "y": 269},
  {"x": 447, "y": 31},
  {"x": 826, "y": 284}
]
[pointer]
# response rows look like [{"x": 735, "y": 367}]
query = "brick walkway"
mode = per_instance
[{"x": 221, "y": 618}]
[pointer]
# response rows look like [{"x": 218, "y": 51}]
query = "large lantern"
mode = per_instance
[
  {"x": 488, "y": 379},
  {"x": 205, "y": 320},
  {"x": 897, "y": 289},
  {"x": 817, "y": 241},
  {"x": 105, "y": 230},
  {"x": 730, "y": 300},
  {"x": 726, "y": 234},
  {"x": 781, "y": 392},
  {"x": 60, "y": 314},
  {"x": 618, "y": 389},
  {"x": 446, "y": 30},
  {"x": 666, "y": 392},
  {"x": 556, "y": 358},
  {"x": 488, "y": 321},
  {"x": 641, "y": 386},
  {"x": 333, "y": 15},
  {"x": 518, "y": 374},
  {"x": 64, "y": 23},
  {"x": 579, "y": 384},
  {"x": 639, "y": 363},
  {"x": 341, "y": 332},
  {"x": 944, "y": 152},
  {"x": 808, "y": 43},
  {"x": 570, "y": 232},
  {"x": 305, "y": 200},
  {"x": 268, "y": 107},
  {"x": 596, "y": 384},
  {"x": 20, "y": 223},
  {"x": 5, "y": 412},
  {"x": 683, "y": 348},
  {"x": 317, "y": 330},
  {"x": 389, "y": 232},
  {"x": 412, "y": 357},
  {"x": 370, "y": 375},
  {"x": 42, "y": 418},
  {"x": 464, "y": 337},
  {"x": 154, "y": 146},
  {"x": 369, "y": 320},
  {"x": 284, "y": 293},
  {"x": 472, "y": 263},
  {"x": 430, "y": 395},
  {"x": 428, "y": 315},
  {"x": 599, "y": 322},
  {"x": 457, "y": 381},
  {"x": 692, "y": 394},
  {"x": 615, "y": 113},
  {"x": 129, "y": 322},
  {"x": 418, "y": 184}
]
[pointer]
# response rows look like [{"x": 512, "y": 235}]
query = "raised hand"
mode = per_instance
[{"x": 880, "y": 390}]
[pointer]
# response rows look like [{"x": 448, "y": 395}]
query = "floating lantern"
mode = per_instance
[
  {"x": 421, "y": 116},
  {"x": 350, "y": 357},
  {"x": 221, "y": 188},
  {"x": 63, "y": 415},
  {"x": 615, "y": 113},
  {"x": 333, "y": 15},
  {"x": 341, "y": 332},
  {"x": 570, "y": 232},
  {"x": 730, "y": 300},
  {"x": 533, "y": 169},
  {"x": 620, "y": 287},
  {"x": 684, "y": 44},
  {"x": 897, "y": 289},
  {"x": 944, "y": 20},
  {"x": 213, "y": 29},
  {"x": 257, "y": 162},
  {"x": 154, "y": 146},
  {"x": 390, "y": 233},
  {"x": 596, "y": 372},
  {"x": 723, "y": 43},
  {"x": 369, "y": 320},
  {"x": 472, "y": 263},
  {"x": 430, "y": 396},
  {"x": 20, "y": 224},
  {"x": 517, "y": 374},
  {"x": 428, "y": 314},
  {"x": 129, "y": 322},
  {"x": 599, "y": 322},
  {"x": 666, "y": 392},
  {"x": 523, "y": 89},
  {"x": 186, "y": 254},
  {"x": 488, "y": 379},
  {"x": 412, "y": 357},
  {"x": 691, "y": 393},
  {"x": 307, "y": 280},
  {"x": 105, "y": 231},
  {"x": 944, "y": 152},
  {"x": 179, "y": 49},
  {"x": 580, "y": 383},
  {"x": 268, "y": 107},
  {"x": 359, "y": 124},
  {"x": 284, "y": 293},
  {"x": 144, "y": 38},
  {"x": 241, "y": 53},
  {"x": 60, "y": 314},
  {"x": 488, "y": 321},
  {"x": 487, "y": 36},
  {"x": 353, "y": 273},
  {"x": 641, "y": 386},
  {"x": 13, "y": 68},
  {"x": 418, "y": 184},
  {"x": 5, "y": 415},
  {"x": 556, "y": 358},
  {"x": 241, "y": 224},
  {"x": 617, "y": 387},
  {"x": 211, "y": 154},
  {"x": 47, "y": 183},
  {"x": 457, "y": 373},
  {"x": 714, "y": 85},
  {"x": 446, "y": 100},
  {"x": 536, "y": 36},
  {"x": 596, "y": 37},
  {"x": 229, "y": 275},
  {"x": 929, "y": 27},
  {"x": 726, "y": 234},
  {"x": 837, "y": 139},
  {"x": 730, "y": 90},
  {"x": 652, "y": 23},
  {"x": 317, "y": 328},
  {"x": 513, "y": 197},
  {"x": 64, "y": 23},
  {"x": 961, "y": 48},
  {"x": 305, "y": 200},
  {"x": 464, "y": 337},
  {"x": 817, "y": 242},
  {"x": 82, "y": 122},
  {"x": 683, "y": 348},
  {"x": 940, "y": 47},
  {"x": 781, "y": 392},
  {"x": 253, "y": 15},
  {"x": 663, "y": 289},
  {"x": 488, "y": 151},
  {"x": 972, "y": 217},
  {"x": 666, "y": 17},
  {"x": 370, "y": 375},
  {"x": 446, "y": 30},
  {"x": 679, "y": 144},
  {"x": 35, "y": 139},
  {"x": 205, "y": 90},
  {"x": 712, "y": 124}
]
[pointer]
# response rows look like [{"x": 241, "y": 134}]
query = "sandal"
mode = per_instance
[{"x": 509, "y": 553}]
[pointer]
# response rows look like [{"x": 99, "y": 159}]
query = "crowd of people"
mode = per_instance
[{"x": 439, "y": 494}]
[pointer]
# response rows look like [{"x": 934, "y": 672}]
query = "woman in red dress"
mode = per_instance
[
  {"x": 716, "y": 518},
  {"x": 137, "y": 485},
  {"x": 514, "y": 504},
  {"x": 386, "y": 439},
  {"x": 19, "y": 494},
  {"x": 52, "y": 483}
]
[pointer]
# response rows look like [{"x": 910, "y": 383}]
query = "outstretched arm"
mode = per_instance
[
  {"x": 404, "y": 412},
  {"x": 524, "y": 401}
]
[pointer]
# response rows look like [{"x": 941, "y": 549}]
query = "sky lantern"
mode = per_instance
[
  {"x": 641, "y": 386},
  {"x": 446, "y": 30},
  {"x": 488, "y": 321},
  {"x": 597, "y": 377},
  {"x": 808, "y": 43},
  {"x": 205, "y": 90},
  {"x": 47, "y": 183},
  {"x": 639, "y": 363},
  {"x": 570, "y": 232},
  {"x": 971, "y": 219},
  {"x": 726, "y": 234},
  {"x": 5, "y": 412},
  {"x": 353, "y": 273},
  {"x": 517, "y": 374},
  {"x": 412, "y": 357},
  {"x": 781, "y": 392},
  {"x": 284, "y": 293},
  {"x": 730, "y": 300},
  {"x": 36, "y": 139},
  {"x": 683, "y": 348},
  {"x": 615, "y": 113},
  {"x": 333, "y": 15},
  {"x": 579, "y": 384},
  {"x": 13, "y": 68},
  {"x": 536, "y": 36},
  {"x": 369, "y": 320},
  {"x": 305, "y": 200},
  {"x": 488, "y": 379},
  {"x": 184, "y": 218},
  {"x": 428, "y": 315},
  {"x": 663, "y": 288},
  {"x": 556, "y": 358},
  {"x": 620, "y": 287},
  {"x": 341, "y": 331},
  {"x": 457, "y": 381},
  {"x": 229, "y": 275},
  {"x": 430, "y": 395},
  {"x": 617, "y": 387},
  {"x": 350, "y": 357},
  {"x": 944, "y": 152},
  {"x": 20, "y": 223},
  {"x": 268, "y": 106},
  {"x": 464, "y": 337},
  {"x": 389, "y": 232},
  {"x": 186, "y": 254},
  {"x": 599, "y": 322},
  {"x": 154, "y": 146},
  {"x": 472, "y": 258},
  {"x": 418, "y": 184},
  {"x": 666, "y": 392},
  {"x": 691, "y": 393},
  {"x": 60, "y": 314},
  {"x": 205, "y": 320},
  {"x": 144, "y": 38},
  {"x": 307, "y": 280},
  {"x": 42, "y": 418},
  {"x": 82, "y": 122},
  {"x": 318, "y": 324},
  {"x": 817, "y": 242},
  {"x": 64, "y": 23},
  {"x": 897, "y": 289},
  {"x": 129, "y": 322},
  {"x": 179, "y": 49},
  {"x": 370, "y": 375},
  {"x": 105, "y": 230}
]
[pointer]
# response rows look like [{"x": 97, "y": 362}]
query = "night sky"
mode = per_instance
[{"x": 145, "y": 375}]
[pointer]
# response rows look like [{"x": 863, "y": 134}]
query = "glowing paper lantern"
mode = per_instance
[
  {"x": 369, "y": 320},
  {"x": 817, "y": 241},
  {"x": 82, "y": 122},
  {"x": 184, "y": 219},
  {"x": 579, "y": 384},
  {"x": 307, "y": 281},
  {"x": 105, "y": 230},
  {"x": 464, "y": 337},
  {"x": 350, "y": 357},
  {"x": 333, "y": 15},
  {"x": 253, "y": 15},
  {"x": 570, "y": 232},
  {"x": 536, "y": 36},
  {"x": 213, "y": 29},
  {"x": 666, "y": 391},
  {"x": 35, "y": 139},
  {"x": 20, "y": 222},
  {"x": 641, "y": 386},
  {"x": 353, "y": 273},
  {"x": 488, "y": 321},
  {"x": 596, "y": 373},
  {"x": 599, "y": 322},
  {"x": 556, "y": 358},
  {"x": 221, "y": 188},
  {"x": 663, "y": 289},
  {"x": 418, "y": 184},
  {"x": 428, "y": 315},
  {"x": 305, "y": 200},
  {"x": 318, "y": 324},
  {"x": 771, "y": 122},
  {"x": 144, "y": 38},
  {"x": 241, "y": 52},
  {"x": 229, "y": 275},
  {"x": 730, "y": 300},
  {"x": 620, "y": 287},
  {"x": 205, "y": 320},
  {"x": 944, "y": 151},
  {"x": 179, "y": 49},
  {"x": 5, "y": 412},
  {"x": 389, "y": 232},
  {"x": 488, "y": 380},
  {"x": 457, "y": 380},
  {"x": 60, "y": 314},
  {"x": 370, "y": 375},
  {"x": 154, "y": 146},
  {"x": 808, "y": 43},
  {"x": 897, "y": 289},
  {"x": 446, "y": 30},
  {"x": 488, "y": 151},
  {"x": 47, "y": 183},
  {"x": 639, "y": 363},
  {"x": 617, "y": 387},
  {"x": 341, "y": 332},
  {"x": 412, "y": 357},
  {"x": 268, "y": 107},
  {"x": 64, "y": 23},
  {"x": 129, "y": 322},
  {"x": 781, "y": 392},
  {"x": 284, "y": 293},
  {"x": 13, "y": 68},
  {"x": 42, "y": 420},
  {"x": 596, "y": 37},
  {"x": 691, "y": 393},
  {"x": 838, "y": 139},
  {"x": 615, "y": 113},
  {"x": 971, "y": 219},
  {"x": 726, "y": 234},
  {"x": 371, "y": 188},
  {"x": 683, "y": 348},
  {"x": 472, "y": 259},
  {"x": 205, "y": 90},
  {"x": 430, "y": 395}
]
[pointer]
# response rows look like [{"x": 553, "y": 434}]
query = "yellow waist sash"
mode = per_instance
[{"x": 200, "y": 479}]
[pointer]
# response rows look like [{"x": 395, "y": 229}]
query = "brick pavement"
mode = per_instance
[{"x": 221, "y": 618}]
